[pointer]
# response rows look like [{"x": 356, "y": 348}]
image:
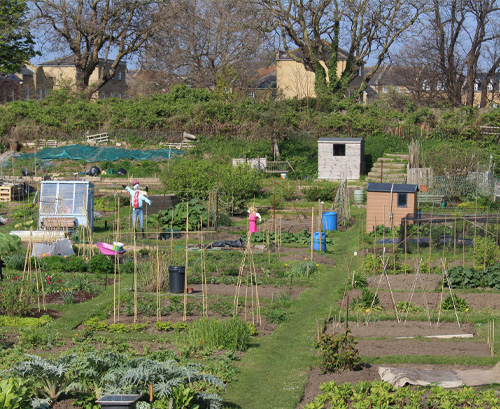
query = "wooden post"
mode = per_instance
[
  {"x": 312, "y": 232},
  {"x": 184, "y": 317}
]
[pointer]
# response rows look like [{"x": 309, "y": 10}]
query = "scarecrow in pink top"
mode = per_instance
[{"x": 252, "y": 218}]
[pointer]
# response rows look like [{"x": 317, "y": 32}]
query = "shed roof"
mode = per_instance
[
  {"x": 344, "y": 140},
  {"x": 396, "y": 187}
]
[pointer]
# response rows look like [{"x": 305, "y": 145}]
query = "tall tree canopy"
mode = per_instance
[
  {"x": 208, "y": 43},
  {"x": 17, "y": 45},
  {"x": 364, "y": 28},
  {"x": 96, "y": 30}
]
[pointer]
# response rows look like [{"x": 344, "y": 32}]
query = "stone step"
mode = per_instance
[
  {"x": 390, "y": 165},
  {"x": 400, "y": 156},
  {"x": 385, "y": 180}
]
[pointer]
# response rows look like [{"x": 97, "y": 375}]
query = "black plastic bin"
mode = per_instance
[{"x": 176, "y": 276}]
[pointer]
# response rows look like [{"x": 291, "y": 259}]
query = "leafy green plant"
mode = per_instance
[
  {"x": 164, "y": 326},
  {"x": 99, "y": 264},
  {"x": 338, "y": 352},
  {"x": 367, "y": 299},
  {"x": 452, "y": 302},
  {"x": 38, "y": 337},
  {"x": 68, "y": 296},
  {"x": 232, "y": 334},
  {"x": 406, "y": 306},
  {"x": 182, "y": 397},
  {"x": 51, "y": 375},
  {"x": 95, "y": 324},
  {"x": 15, "y": 393}
]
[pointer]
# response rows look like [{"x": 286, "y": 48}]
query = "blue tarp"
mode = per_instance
[{"x": 103, "y": 153}]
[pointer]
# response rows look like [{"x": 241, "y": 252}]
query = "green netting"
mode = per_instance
[{"x": 103, "y": 153}]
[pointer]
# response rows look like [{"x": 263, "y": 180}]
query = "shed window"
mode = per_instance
[
  {"x": 402, "y": 199},
  {"x": 339, "y": 150}
]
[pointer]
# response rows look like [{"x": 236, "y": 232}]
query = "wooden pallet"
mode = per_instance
[
  {"x": 58, "y": 223},
  {"x": 8, "y": 193}
]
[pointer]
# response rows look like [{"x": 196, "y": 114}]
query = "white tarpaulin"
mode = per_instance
[
  {"x": 61, "y": 247},
  {"x": 446, "y": 379}
]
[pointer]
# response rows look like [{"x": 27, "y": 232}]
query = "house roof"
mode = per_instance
[
  {"x": 389, "y": 75},
  {"x": 396, "y": 187},
  {"x": 67, "y": 61},
  {"x": 345, "y": 140},
  {"x": 10, "y": 78},
  {"x": 297, "y": 52},
  {"x": 265, "y": 78}
]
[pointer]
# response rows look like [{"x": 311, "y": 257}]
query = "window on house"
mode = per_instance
[
  {"x": 40, "y": 94},
  {"x": 402, "y": 199},
  {"x": 12, "y": 96},
  {"x": 119, "y": 75},
  {"x": 476, "y": 87},
  {"x": 27, "y": 93},
  {"x": 490, "y": 86},
  {"x": 339, "y": 150},
  {"x": 118, "y": 95}
]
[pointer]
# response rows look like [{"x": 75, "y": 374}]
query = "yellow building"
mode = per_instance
[
  {"x": 294, "y": 81},
  {"x": 63, "y": 73}
]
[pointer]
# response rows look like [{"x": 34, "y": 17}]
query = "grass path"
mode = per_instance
[{"x": 274, "y": 371}]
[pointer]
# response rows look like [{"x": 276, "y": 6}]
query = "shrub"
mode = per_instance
[
  {"x": 11, "y": 302},
  {"x": 485, "y": 250},
  {"x": 15, "y": 261},
  {"x": 75, "y": 264},
  {"x": 325, "y": 192},
  {"x": 101, "y": 265},
  {"x": 338, "y": 353}
]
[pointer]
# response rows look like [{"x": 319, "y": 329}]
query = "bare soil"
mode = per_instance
[
  {"x": 425, "y": 286},
  {"x": 80, "y": 296},
  {"x": 393, "y": 329}
]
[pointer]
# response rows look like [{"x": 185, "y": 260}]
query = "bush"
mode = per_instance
[
  {"x": 11, "y": 302},
  {"x": 15, "y": 261},
  {"x": 338, "y": 353},
  {"x": 325, "y": 192},
  {"x": 101, "y": 265},
  {"x": 485, "y": 250}
]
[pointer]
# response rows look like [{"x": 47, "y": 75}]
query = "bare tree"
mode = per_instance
[
  {"x": 485, "y": 14},
  {"x": 365, "y": 28},
  {"x": 209, "y": 43},
  {"x": 452, "y": 45},
  {"x": 98, "y": 31}
]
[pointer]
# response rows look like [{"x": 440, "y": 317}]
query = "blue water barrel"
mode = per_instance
[
  {"x": 317, "y": 240},
  {"x": 330, "y": 221}
]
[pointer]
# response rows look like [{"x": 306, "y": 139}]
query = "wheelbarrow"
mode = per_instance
[
  {"x": 110, "y": 249},
  {"x": 115, "y": 250}
]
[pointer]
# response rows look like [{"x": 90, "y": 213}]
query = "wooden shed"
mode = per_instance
[
  {"x": 388, "y": 203},
  {"x": 340, "y": 158}
]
